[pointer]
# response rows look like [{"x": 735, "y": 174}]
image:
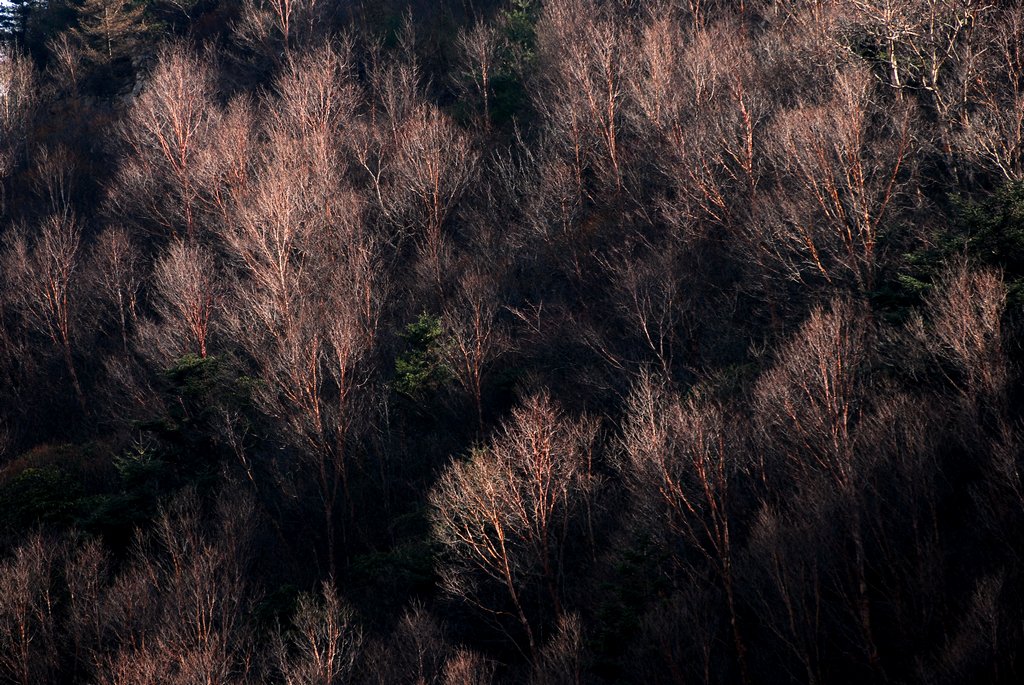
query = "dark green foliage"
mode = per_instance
[
  {"x": 990, "y": 232},
  {"x": 39, "y": 496},
  {"x": 197, "y": 389},
  {"x": 196, "y": 378},
  {"x": 180, "y": 447},
  {"x": 393, "y": 576},
  {"x": 635, "y": 583},
  {"x": 510, "y": 100},
  {"x": 138, "y": 465},
  {"x": 520, "y": 20},
  {"x": 131, "y": 500},
  {"x": 986, "y": 231},
  {"x": 277, "y": 608},
  {"x": 420, "y": 369}
]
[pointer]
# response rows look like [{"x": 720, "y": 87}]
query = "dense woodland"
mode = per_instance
[{"x": 511, "y": 341}]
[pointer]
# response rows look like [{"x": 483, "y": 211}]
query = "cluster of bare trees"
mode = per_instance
[
  {"x": 18, "y": 98},
  {"x": 508, "y": 514},
  {"x": 551, "y": 341}
]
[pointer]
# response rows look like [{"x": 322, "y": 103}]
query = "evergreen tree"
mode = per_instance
[
  {"x": 109, "y": 29},
  {"x": 14, "y": 19}
]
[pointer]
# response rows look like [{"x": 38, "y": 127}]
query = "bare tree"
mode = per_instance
[
  {"x": 417, "y": 650},
  {"x": 793, "y": 600},
  {"x": 432, "y": 167},
  {"x": 809, "y": 399},
  {"x": 963, "y": 329},
  {"x": 165, "y": 131},
  {"x": 187, "y": 298},
  {"x": 810, "y": 406},
  {"x": 506, "y": 513},
  {"x": 654, "y": 300},
  {"x": 926, "y": 45},
  {"x": 310, "y": 280},
  {"x": 324, "y": 644},
  {"x": 54, "y": 177},
  {"x": 27, "y": 621},
  {"x": 466, "y": 667},
  {"x": 86, "y": 573},
  {"x": 224, "y": 169},
  {"x": 680, "y": 633},
  {"x": 19, "y": 97},
  {"x": 561, "y": 661},
  {"x": 275, "y": 29},
  {"x": 545, "y": 197},
  {"x": 204, "y": 577},
  {"x": 393, "y": 94},
  {"x": 993, "y": 131},
  {"x": 477, "y": 338},
  {"x": 657, "y": 86},
  {"x": 938, "y": 47},
  {"x": 43, "y": 275},
  {"x": 583, "y": 48},
  {"x": 184, "y": 622},
  {"x": 681, "y": 459},
  {"x": 66, "y": 66},
  {"x": 903, "y": 517},
  {"x": 480, "y": 47},
  {"x": 701, "y": 106},
  {"x": 395, "y": 86},
  {"x": 725, "y": 172},
  {"x": 842, "y": 183},
  {"x": 316, "y": 98},
  {"x": 116, "y": 269},
  {"x": 353, "y": 306}
]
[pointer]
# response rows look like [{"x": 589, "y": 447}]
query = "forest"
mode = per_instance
[{"x": 470, "y": 342}]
